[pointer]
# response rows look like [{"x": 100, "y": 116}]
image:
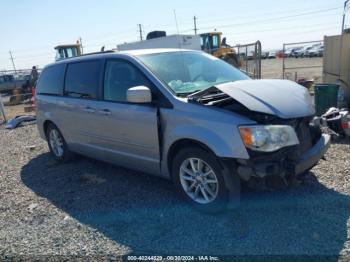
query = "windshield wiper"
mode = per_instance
[
  {"x": 212, "y": 90},
  {"x": 185, "y": 94},
  {"x": 208, "y": 95}
]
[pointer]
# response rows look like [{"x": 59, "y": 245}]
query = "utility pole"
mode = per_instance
[
  {"x": 342, "y": 36},
  {"x": 195, "y": 25},
  {"x": 81, "y": 45},
  {"x": 140, "y": 31},
  {"x": 13, "y": 63},
  {"x": 344, "y": 16}
]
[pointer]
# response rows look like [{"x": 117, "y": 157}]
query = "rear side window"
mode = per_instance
[
  {"x": 82, "y": 79},
  {"x": 51, "y": 80}
]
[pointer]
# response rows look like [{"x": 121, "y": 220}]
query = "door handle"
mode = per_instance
[
  {"x": 89, "y": 110},
  {"x": 105, "y": 112}
]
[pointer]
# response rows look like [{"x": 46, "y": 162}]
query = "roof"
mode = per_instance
[
  {"x": 111, "y": 53},
  {"x": 115, "y": 52},
  {"x": 152, "y": 51}
]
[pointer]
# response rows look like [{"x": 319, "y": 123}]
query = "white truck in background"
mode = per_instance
[{"x": 192, "y": 42}]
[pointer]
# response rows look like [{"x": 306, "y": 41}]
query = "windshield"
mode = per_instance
[{"x": 188, "y": 72}]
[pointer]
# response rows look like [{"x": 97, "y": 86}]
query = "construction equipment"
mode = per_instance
[
  {"x": 68, "y": 51},
  {"x": 214, "y": 44}
]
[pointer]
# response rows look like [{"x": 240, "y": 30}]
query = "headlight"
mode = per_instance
[{"x": 268, "y": 138}]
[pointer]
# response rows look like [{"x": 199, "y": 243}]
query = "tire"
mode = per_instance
[
  {"x": 232, "y": 60},
  {"x": 195, "y": 184},
  {"x": 63, "y": 154}
]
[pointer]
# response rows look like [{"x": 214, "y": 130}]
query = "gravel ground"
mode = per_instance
[{"x": 88, "y": 208}]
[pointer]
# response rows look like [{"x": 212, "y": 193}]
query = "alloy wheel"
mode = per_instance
[
  {"x": 199, "y": 180},
  {"x": 56, "y": 143}
]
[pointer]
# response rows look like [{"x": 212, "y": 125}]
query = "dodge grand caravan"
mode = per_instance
[{"x": 183, "y": 115}]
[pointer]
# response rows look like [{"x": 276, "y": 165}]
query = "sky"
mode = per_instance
[{"x": 30, "y": 29}]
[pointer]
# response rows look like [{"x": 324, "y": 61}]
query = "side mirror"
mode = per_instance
[{"x": 139, "y": 95}]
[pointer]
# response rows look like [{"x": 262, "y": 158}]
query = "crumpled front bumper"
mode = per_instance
[
  {"x": 311, "y": 157},
  {"x": 282, "y": 163}
]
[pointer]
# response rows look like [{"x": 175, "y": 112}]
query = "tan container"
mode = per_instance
[{"x": 336, "y": 64}]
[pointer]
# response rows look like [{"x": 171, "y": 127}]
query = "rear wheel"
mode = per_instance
[
  {"x": 199, "y": 178},
  {"x": 57, "y": 144}
]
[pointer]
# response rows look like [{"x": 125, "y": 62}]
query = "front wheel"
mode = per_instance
[{"x": 199, "y": 178}]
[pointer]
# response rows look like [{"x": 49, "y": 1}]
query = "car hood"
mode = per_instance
[{"x": 283, "y": 98}]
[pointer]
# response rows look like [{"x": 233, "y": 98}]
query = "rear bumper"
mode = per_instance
[{"x": 281, "y": 165}]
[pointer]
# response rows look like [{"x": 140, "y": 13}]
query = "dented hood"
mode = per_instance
[{"x": 283, "y": 98}]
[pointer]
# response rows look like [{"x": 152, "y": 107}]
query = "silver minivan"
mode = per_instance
[{"x": 182, "y": 115}]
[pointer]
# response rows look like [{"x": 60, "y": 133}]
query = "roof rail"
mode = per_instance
[{"x": 100, "y": 52}]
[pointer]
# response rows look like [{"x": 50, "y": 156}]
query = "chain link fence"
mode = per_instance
[
  {"x": 250, "y": 59},
  {"x": 303, "y": 61}
]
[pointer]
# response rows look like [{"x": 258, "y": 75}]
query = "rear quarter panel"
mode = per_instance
[{"x": 49, "y": 108}]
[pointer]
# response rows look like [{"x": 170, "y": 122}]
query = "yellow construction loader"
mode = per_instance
[
  {"x": 214, "y": 44},
  {"x": 68, "y": 51}
]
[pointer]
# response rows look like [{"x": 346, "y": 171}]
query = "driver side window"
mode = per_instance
[{"x": 119, "y": 77}]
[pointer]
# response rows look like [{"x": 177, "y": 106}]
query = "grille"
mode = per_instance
[{"x": 304, "y": 135}]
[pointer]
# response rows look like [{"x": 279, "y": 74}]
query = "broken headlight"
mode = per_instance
[{"x": 268, "y": 138}]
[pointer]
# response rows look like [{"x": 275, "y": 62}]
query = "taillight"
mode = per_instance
[{"x": 345, "y": 125}]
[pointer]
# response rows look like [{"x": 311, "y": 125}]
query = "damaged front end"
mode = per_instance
[
  {"x": 272, "y": 167},
  {"x": 282, "y": 167}
]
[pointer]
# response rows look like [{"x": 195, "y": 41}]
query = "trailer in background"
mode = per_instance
[
  {"x": 192, "y": 42},
  {"x": 336, "y": 65}
]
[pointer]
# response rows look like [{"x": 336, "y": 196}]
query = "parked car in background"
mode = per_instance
[
  {"x": 321, "y": 51},
  {"x": 299, "y": 53},
  {"x": 182, "y": 115},
  {"x": 295, "y": 51},
  {"x": 264, "y": 55},
  {"x": 27, "y": 82},
  {"x": 251, "y": 55},
  {"x": 288, "y": 52},
  {"x": 304, "y": 51},
  {"x": 313, "y": 51},
  {"x": 272, "y": 54},
  {"x": 9, "y": 82}
]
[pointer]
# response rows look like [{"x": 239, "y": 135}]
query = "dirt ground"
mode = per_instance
[
  {"x": 272, "y": 68},
  {"x": 12, "y": 111}
]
